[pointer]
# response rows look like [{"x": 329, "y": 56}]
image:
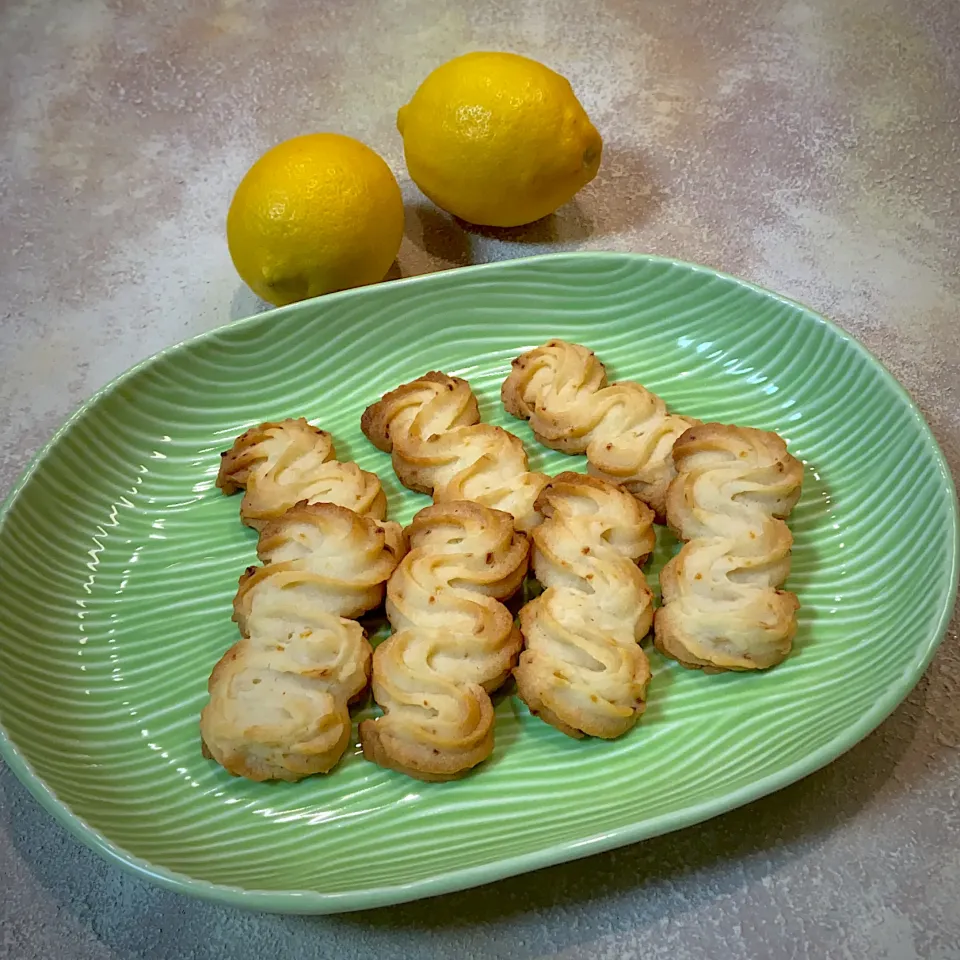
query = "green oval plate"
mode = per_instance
[{"x": 119, "y": 561}]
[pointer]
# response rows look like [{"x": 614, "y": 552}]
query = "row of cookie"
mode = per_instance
[{"x": 280, "y": 696}]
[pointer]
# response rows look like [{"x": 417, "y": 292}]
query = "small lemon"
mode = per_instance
[
  {"x": 314, "y": 214},
  {"x": 498, "y": 139}
]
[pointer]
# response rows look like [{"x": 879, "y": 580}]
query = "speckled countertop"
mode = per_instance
[{"x": 810, "y": 145}]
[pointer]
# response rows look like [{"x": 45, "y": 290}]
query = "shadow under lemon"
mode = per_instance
[
  {"x": 624, "y": 196},
  {"x": 442, "y": 241},
  {"x": 246, "y": 303}
]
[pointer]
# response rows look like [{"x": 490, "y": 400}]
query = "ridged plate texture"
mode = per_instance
[{"x": 119, "y": 560}]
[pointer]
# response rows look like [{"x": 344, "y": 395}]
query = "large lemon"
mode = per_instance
[
  {"x": 314, "y": 214},
  {"x": 498, "y": 139}
]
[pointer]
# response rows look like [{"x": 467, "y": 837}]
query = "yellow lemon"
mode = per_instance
[
  {"x": 498, "y": 139},
  {"x": 314, "y": 214}
]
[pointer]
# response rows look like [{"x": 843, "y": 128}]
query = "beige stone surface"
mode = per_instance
[{"x": 809, "y": 145}]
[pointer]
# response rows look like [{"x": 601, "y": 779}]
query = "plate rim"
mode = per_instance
[{"x": 316, "y": 902}]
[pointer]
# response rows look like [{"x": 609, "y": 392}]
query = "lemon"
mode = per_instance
[
  {"x": 314, "y": 214},
  {"x": 498, "y": 139}
]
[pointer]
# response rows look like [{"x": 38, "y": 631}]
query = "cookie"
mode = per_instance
[
  {"x": 583, "y": 669},
  {"x": 432, "y": 428},
  {"x": 624, "y": 429},
  {"x": 454, "y": 642},
  {"x": 723, "y": 606},
  {"x": 289, "y": 461}
]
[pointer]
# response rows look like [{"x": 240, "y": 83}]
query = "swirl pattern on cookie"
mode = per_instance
[
  {"x": 723, "y": 608},
  {"x": 454, "y": 642},
  {"x": 432, "y": 428},
  {"x": 623, "y": 428},
  {"x": 583, "y": 669},
  {"x": 279, "y": 697},
  {"x": 289, "y": 461}
]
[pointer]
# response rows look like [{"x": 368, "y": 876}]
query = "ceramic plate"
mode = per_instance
[{"x": 119, "y": 560}]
